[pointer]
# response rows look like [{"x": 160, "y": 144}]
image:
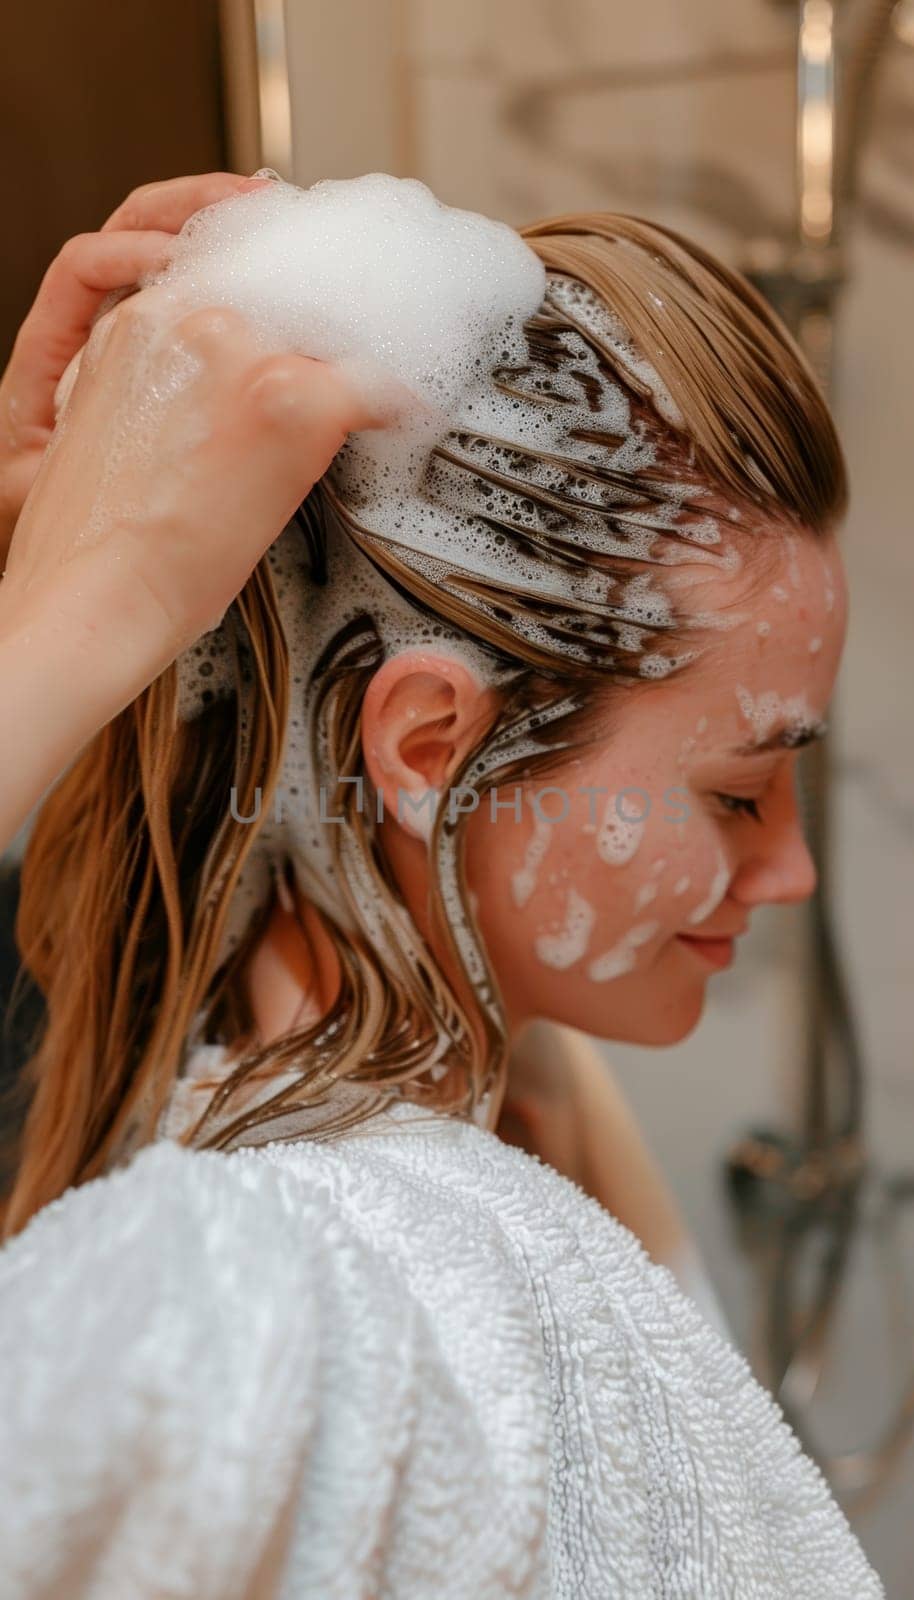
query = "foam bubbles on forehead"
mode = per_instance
[{"x": 370, "y": 271}]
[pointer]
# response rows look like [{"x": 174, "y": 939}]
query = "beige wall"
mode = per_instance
[{"x": 526, "y": 107}]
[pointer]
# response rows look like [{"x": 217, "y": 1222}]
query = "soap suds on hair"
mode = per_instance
[
  {"x": 422, "y": 304},
  {"x": 375, "y": 275}
]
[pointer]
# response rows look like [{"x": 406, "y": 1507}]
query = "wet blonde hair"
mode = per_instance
[{"x": 133, "y": 858}]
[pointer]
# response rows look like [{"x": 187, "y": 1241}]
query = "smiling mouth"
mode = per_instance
[{"x": 717, "y": 952}]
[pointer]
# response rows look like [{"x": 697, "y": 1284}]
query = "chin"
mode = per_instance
[
  {"x": 675, "y": 1029},
  {"x": 654, "y": 1026}
]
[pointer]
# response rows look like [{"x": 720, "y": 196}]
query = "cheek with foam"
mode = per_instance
[
  {"x": 617, "y": 838},
  {"x": 623, "y": 956},
  {"x": 793, "y": 565},
  {"x": 563, "y": 949},
  {"x": 829, "y": 588},
  {"x": 523, "y": 882},
  {"x": 645, "y": 895},
  {"x": 685, "y": 751},
  {"x": 715, "y": 894}
]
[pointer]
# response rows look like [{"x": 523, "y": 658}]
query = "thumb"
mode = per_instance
[
  {"x": 310, "y": 407},
  {"x": 382, "y": 400}
]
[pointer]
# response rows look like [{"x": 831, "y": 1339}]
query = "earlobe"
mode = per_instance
[{"x": 421, "y": 715}]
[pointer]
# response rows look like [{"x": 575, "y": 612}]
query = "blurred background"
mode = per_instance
[{"x": 780, "y": 133}]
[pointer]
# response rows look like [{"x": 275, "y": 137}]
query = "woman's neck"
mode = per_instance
[
  {"x": 293, "y": 974},
  {"x": 292, "y": 978}
]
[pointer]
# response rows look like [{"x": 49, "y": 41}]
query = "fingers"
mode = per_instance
[
  {"x": 92, "y": 265},
  {"x": 308, "y": 409},
  {"x": 133, "y": 243},
  {"x": 379, "y": 399},
  {"x": 167, "y": 206},
  {"x": 87, "y": 269},
  {"x": 66, "y": 383}
]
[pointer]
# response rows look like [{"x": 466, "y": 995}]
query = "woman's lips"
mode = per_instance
[{"x": 717, "y": 952}]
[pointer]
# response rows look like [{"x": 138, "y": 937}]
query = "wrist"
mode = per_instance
[
  {"x": 100, "y": 637},
  {"x": 69, "y": 663}
]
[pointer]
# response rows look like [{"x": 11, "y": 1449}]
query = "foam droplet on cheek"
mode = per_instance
[
  {"x": 623, "y": 956},
  {"x": 618, "y": 837},
  {"x": 523, "y": 882},
  {"x": 715, "y": 894},
  {"x": 563, "y": 949},
  {"x": 793, "y": 565}
]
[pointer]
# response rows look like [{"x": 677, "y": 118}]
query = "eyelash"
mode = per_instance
[{"x": 740, "y": 804}]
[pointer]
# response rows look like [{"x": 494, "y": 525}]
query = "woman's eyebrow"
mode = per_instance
[{"x": 786, "y": 736}]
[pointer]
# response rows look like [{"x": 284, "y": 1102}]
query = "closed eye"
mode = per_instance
[{"x": 740, "y": 804}]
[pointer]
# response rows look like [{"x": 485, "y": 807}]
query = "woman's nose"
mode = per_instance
[{"x": 778, "y": 867}]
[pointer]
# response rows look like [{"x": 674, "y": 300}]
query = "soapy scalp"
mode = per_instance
[{"x": 415, "y": 300}]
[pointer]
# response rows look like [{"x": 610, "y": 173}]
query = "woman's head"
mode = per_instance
[
  {"x": 671, "y": 822},
  {"x": 631, "y": 574},
  {"x": 696, "y": 672}
]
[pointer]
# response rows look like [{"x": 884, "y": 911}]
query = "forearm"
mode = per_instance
[{"x": 73, "y": 653}]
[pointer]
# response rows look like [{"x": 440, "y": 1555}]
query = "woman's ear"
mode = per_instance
[{"x": 421, "y": 715}]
